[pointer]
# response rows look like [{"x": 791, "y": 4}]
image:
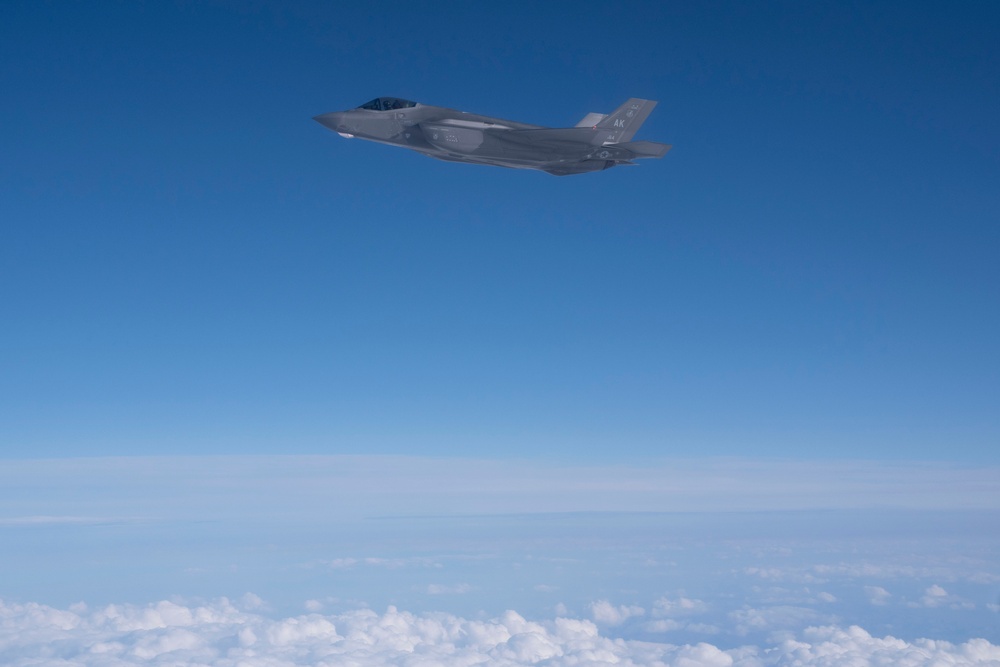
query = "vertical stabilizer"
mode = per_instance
[{"x": 622, "y": 124}]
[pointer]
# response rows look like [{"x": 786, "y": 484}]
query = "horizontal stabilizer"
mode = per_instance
[
  {"x": 645, "y": 148},
  {"x": 591, "y": 119}
]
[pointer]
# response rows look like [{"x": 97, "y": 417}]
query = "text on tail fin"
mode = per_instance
[{"x": 621, "y": 125}]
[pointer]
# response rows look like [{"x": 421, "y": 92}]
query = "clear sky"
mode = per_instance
[
  {"x": 190, "y": 264},
  {"x": 270, "y": 396}
]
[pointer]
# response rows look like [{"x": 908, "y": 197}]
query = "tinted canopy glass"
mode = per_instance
[{"x": 387, "y": 104}]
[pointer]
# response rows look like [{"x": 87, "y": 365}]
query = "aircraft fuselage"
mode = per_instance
[{"x": 458, "y": 136}]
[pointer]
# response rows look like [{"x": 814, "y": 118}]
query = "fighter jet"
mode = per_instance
[{"x": 597, "y": 142}]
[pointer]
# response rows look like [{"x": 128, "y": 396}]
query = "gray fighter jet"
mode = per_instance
[{"x": 597, "y": 142}]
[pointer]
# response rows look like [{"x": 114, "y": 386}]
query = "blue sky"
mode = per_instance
[
  {"x": 268, "y": 395},
  {"x": 192, "y": 265}
]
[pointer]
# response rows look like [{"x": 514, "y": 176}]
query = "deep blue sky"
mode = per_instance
[{"x": 189, "y": 264}]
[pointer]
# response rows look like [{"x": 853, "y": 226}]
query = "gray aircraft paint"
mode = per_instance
[{"x": 597, "y": 142}]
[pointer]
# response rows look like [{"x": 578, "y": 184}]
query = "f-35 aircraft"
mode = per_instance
[{"x": 597, "y": 142}]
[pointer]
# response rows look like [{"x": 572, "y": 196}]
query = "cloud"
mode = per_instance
[
  {"x": 375, "y": 561},
  {"x": 853, "y": 645},
  {"x": 251, "y": 601},
  {"x": 823, "y": 573},
  {"x": 606, "y": 613},
  {"x": 226, "y": 634},
  {"x": 337, "y": 487},
  {"x": 666, "y": 612},
  {"x": 936, "y": 596},
  {"x": 679, "y": 606},
  {"x": 877, "y": 595},
  {"x": 791, "y": 574},
  {"x": 441, "y": 589},
  {"x": 778, "y": 617},
  {"x": 896, "y": 571},
  {"x": 663, "y": 625}
]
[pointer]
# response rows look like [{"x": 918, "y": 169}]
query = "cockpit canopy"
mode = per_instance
[{"x": 387, "y": 104}]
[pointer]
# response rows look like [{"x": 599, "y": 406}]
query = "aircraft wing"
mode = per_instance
[{"x": 645, "y": 148}]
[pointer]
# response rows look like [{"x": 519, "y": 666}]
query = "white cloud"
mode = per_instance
[
  {"x": 606, "y": 613},
  {"x": 328, "y": 487},
  {"x": 826, "y": 597},
  {"x": 441, "y": 589},
  {"x": 663, "y": 625},
  {"x": 666, "y": 612},
  {"x": 865, "y": 570},
  {"x": 936, "y": 596},
  {"x": 825, "y": 572},
  {"x": 877, "y": 595},
  {"x": 251, "y": 601},
  {"x": 679, "y": 606},
  {"x": 853, "y": 645},
  {"x": 791, "y": 574},
  {"x": 778, "y": 617},
  {"x": 172, "y": 641},
  {"x": 226, "y": 635},
  {"x": 304, "y": 629},
  {"x": 375, "y": 561}
]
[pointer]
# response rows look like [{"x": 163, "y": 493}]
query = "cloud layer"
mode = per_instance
[
  {"x": 232, "y": 634},
  {"x": 51, "y": 491}
]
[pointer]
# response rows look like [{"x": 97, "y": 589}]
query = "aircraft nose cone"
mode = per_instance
[{"x": 332, "y": 120}]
